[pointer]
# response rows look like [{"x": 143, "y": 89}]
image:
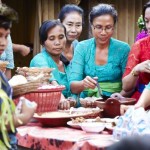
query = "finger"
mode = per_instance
[
  {"x": 122, "y": 109},
  {"x": 89, "y": 84}
]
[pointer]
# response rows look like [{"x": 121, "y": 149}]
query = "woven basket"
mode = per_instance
[
  {"x": 47, "y": 100},
  {"x": 32, "y": 72},
  {"x": 26, "y": 88}
]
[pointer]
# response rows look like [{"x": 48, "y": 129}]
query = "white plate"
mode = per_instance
[
  {"x": 74, "y": 125},
  {"x": 109, "y": 122}
]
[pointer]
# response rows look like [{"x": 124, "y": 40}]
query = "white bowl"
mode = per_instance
[{"x": 95, "y": 127}]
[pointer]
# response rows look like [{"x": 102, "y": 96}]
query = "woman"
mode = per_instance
[
  {"x": 143, "y": 25},
  {"x": 137, "y": 73},
  {"x": 101, "y": 56},
  {"x": 53, "y": 39},
  {"x": 71, "y": 16}
]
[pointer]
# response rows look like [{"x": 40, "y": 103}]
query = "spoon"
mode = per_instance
[{"x": 98, "y": 86}]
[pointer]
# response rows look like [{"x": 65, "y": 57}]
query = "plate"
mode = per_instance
[
  {"x": 108, "y": 123},
  {"x": 74, "y": 125},
  {"x": 57, "y": 118}
]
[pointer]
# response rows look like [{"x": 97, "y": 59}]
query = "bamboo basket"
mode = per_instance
[{"x": 26, "y": 88}]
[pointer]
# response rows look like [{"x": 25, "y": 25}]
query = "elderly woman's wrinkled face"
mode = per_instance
[
  {"x": 56, "y": 41},
  {"x": 73, "y": 25},
  {"x": 3, "y": 39},
  {"x": 147, "y": 20},
  {"x": 102, "y": 28}
]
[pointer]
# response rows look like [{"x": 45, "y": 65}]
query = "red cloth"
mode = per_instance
[
  {"x": 34, "y": 136},
  {"x": 140, "y": 52}
]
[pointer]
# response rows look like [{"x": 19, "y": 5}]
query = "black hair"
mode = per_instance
[
  {"x": 103, "y": 9},
  {"x": 46, "y": 26},
  {"x": 147, "y": 5},
  {"x": 68, "y": 9},
  {"x": 7, "y": 15}
]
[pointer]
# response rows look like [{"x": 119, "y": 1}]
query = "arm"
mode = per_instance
[
  {"x": 77, "y": 81},
  {"x": 8, "y": 73},
  {"x": 144, "y": 100},
  {"x": 130, "y": 80},
  {"x": 22, "y": 49},
  {"x": 9, "y": 57}
]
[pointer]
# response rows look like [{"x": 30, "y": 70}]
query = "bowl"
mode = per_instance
[
  {"x": 111, "y": 107},
  {"x": 94, "y": 127}
]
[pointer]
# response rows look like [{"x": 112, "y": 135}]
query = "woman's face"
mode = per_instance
[
  {"x": 56, "y": 40},
  {"x": 73, "y": 25},
  {"x": 102, "y": 28},
  {"x": 147, "y": 19},
  {"x": 3, "y": 39}
]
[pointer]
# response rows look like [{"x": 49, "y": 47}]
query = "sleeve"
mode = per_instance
[
  {"x": 9, "y": 54},
  {"x": 133, "y": 58},
  {"x": 77, "y": 64},
  {"x": 125, "y": 57},
  {"x": 39, "y": 61}
]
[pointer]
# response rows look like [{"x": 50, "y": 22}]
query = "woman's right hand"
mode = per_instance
[
  {"x": 124, "y": 108},
  {"x": 89, "y": 82},
  {"x": 143, "y": 67}
]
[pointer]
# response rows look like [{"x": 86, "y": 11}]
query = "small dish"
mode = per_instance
[
  {"x": 74, "y": 125},
  {"x": 94, "y": 127}
]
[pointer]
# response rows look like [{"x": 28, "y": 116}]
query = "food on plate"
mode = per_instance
[{"x": 78, "y": 120}]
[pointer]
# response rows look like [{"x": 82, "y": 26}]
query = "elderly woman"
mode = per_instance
[
  {"x": 102, "y": 56},
  {"x": 71, "y": 16},
  {"x": 53, "y": 39}
]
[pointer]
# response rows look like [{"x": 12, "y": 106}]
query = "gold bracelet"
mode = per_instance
[{"x": 134, "y": 73}]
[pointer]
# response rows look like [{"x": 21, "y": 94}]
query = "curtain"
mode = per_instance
[
  {"x": 45, "y": 9},
  {"x": 128, "y": 13}
]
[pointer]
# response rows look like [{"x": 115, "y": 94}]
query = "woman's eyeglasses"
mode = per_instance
[{"x": 100, "y": 28}]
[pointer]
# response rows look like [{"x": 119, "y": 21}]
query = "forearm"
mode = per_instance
[
  {"x": 126, "y": 94},
  {"x": 77, "y": 87},
  {"x": 144, "y": 100},
  {"x": 129, "y": 82},
  {"x": 8, "y": 73}
]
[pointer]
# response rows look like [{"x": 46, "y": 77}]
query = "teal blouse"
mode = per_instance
[
  {"x": 83, "y": 63},
  {"x": 44, "y": 59}
]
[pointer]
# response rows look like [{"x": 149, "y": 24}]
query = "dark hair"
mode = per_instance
[
  {"x": 68, "y": 9},
  {"x": 147, "y": 5},
  {"x": 103, "y": 9},
  {"x": 7, "y": 15},
  {"x": 46, "y": 26}
]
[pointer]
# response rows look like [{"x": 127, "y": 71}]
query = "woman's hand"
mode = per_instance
[
  {"x": 117, "y": 96},
  {"x": 143, "y": 67},
  {"x": 124, "y": 108},
  {"x": 64, "y": 104},
  {"x": 88, "y": 82}
]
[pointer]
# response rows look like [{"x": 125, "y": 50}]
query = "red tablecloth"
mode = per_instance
[{"x": 61, "y": 138}]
